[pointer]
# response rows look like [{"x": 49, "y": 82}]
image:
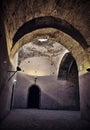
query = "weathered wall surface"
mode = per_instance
[
  {"x": 85, "y": 96},
  {"x": 55, "y": 94},
  {"x": 5, "y": 86}
]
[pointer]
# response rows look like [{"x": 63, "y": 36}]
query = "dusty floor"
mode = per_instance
[{"x": 29, "y": 119}]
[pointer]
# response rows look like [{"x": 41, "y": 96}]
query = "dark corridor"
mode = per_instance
[{"x": 34, "y": 97}]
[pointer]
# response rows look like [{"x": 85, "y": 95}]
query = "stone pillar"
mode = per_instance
[{"x": 84, "y": 82}]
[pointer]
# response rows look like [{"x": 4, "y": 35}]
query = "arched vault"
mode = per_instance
[{"x": 54, "y": 29}]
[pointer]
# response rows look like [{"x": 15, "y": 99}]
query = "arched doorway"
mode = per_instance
[
  {"x": 34, "y": 97},
  {"x": 68, "y": 71}
]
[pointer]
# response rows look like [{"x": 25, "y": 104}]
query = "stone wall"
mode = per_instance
[
  {"x": 55, "y": 94},
  {"x": 5, "y": 86},
  {"x": 85, "y": 96}
]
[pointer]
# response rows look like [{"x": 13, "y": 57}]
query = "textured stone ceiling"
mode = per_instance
[
  {"x": 41, "y": 57},
  {"x": 40, "y": 48},
  {"x": 71, "y": 19}
]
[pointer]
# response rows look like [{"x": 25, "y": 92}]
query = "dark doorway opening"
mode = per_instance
[{"x": 34, "y": 97}]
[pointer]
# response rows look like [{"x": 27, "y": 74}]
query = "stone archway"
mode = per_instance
[
  {"x": 34, "y": 30},
  {"x": 47, "y": 22}
]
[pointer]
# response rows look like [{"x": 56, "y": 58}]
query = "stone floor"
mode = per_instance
[{"x": 29, "y": 119}]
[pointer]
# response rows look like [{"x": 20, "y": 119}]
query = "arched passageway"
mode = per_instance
[
  {"x": 33, "y": 29},
  {"x": 68, "y": 70}
]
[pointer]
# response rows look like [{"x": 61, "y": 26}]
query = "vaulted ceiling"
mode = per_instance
[
  {"x": 62, "y": 21},
  {"x": 41, "y": 57}
]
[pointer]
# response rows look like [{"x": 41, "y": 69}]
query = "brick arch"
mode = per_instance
[{"x": 47, "y": 22}]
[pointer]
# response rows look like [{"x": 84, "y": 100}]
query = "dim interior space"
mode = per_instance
[{"x": 44, "y": 65}]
